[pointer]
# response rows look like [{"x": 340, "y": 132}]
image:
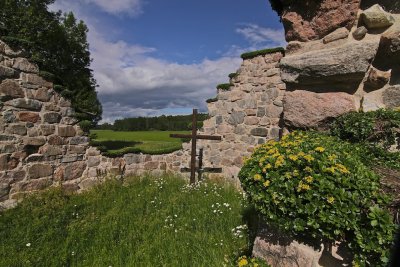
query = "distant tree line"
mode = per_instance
[
  {"x": 58, "y": 44},
  {"x": 161, "y": 123}
]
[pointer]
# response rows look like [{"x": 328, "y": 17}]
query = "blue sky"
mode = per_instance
[{"x": 153, "y": 57}]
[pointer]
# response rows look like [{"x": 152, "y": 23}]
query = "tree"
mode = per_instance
[{"x": 58, "y": 44}]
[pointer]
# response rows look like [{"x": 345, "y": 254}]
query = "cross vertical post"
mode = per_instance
[{"x": 193, "y": 154}]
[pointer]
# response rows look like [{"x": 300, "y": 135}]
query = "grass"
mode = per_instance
[
  {"x": 263, "y": 52},
  {"x": 113, "y": 143},
  {"x": 145, "y": 222}
]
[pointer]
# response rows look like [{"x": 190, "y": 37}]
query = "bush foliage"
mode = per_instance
[
  {"x": 311, "y": 183},
  {"x": 233, "y": 75},
  {"x": 263, "y": 52},
  {"x": 381, "y": 127},
  {"x": 224, "y": 86}
]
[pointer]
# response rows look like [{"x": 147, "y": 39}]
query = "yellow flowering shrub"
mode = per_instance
[{"x": 309, "y": 183}]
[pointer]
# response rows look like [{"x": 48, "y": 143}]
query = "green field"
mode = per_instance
[
  {"x": 113, "y": 143},
  {"x": 147, "y": 221}
]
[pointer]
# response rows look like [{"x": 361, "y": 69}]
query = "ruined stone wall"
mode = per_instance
[
  {"x": 246, "y": 115},
  {"x": 42, "y": 146}
]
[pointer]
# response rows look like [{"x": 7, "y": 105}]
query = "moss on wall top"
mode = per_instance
[{"x": 262, "y": 52}]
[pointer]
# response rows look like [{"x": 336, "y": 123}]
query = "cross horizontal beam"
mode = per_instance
[{"x": 205, "y": 137}]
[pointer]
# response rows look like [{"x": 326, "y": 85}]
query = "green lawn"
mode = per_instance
[
  {"x": 146, "y": 222},
  {"x": 149, "y": 142}
]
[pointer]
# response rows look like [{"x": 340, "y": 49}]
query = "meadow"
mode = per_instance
[
  {"x": 146, "y": 221},
  {"x": 116, "y": 143}
]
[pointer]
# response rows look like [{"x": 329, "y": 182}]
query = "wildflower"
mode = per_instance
[
  {"x": 279, "y": 162},
  {"x": 320, "y": 149},
  {"x": 332, "y": 157},
  {"x": 293, "y": 157},
  {"x": 257, "y": 177},
  {"x": 309, "y": 179},
  {"x": 330, "y": 200},
  {"x": 330, "y": 169},
  {"x": 308, "y": 169},
  {"x": 266, "y": 183},
  {"x": 301, "y": 154},
  {"x": 268, "y": 166},
  {"x": 243, "y": 261},
  {"x": 303, "y": 186},
  {"x": 288, "y": 175},
  {"x": 28, "y": 245},
  {"x": 342, "y": 168},
  {"x": 296, "y": 173},
  {"x": 309, "y": 158}
]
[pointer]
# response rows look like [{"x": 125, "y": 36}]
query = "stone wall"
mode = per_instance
[
  {"x": 348, "y": 68},
  {"x": 246, "y": 115},
  {"x": 40, "y": 143}
]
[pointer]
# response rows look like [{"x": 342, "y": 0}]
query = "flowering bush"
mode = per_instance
[{"x": 311, "y": 183}]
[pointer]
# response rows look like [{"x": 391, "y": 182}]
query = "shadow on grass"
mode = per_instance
[{"x": 253, "y": 220}]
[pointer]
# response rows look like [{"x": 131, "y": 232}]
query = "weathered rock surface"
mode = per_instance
[
  {"x": 281, "y": 250},
  {"x": 312, "y": 20},
  {"x": 304, "y": 109},
  {"x": 388, "y": 56},
  {"x": 376, "y": 79},
  {"x": 360, "y": 33},
  {"x": 391, "y": 97},
  {"x": 338, "y": 34},
  {"x": 375, "y": 17},
  {"x": 10, "y": 89},
  {"x": 343, "y": 67}
]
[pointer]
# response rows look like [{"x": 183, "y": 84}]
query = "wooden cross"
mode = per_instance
[{"x": 194, "y": 136}]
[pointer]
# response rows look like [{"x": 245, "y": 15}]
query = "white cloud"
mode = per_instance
[
  {"x": 115, "y": 7},
  {"x": 258, "y": 35},
  {"x": 132, "y": 82}
]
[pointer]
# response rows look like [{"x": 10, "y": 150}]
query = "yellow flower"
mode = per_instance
[
  {"x": 279, "y": 161},
  {"x": 301, "y": 154},
  {"x": 268, "y": 166},
  {"x": 266, "y": 183},
  {"x": 330, "y": 169},
  {"x": 342, "y": 168},
  {"x": 257, "y": 177},
  {"x": 243, "y": 262},
  {"x": 309, "y": 179},
  {"x": 332, "y": 157},
  {"x": 293, "y": 157},
  {"x": 288, "y": 175},
  {"x": 308, "y": 169},
  {"x": 296, "y": 173},
  {"x": 309, "y": 158},
  {"x": 303, "y": 186},
  {"x": 320, "y": 149},
  {"x": 330, "y": 200}
]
